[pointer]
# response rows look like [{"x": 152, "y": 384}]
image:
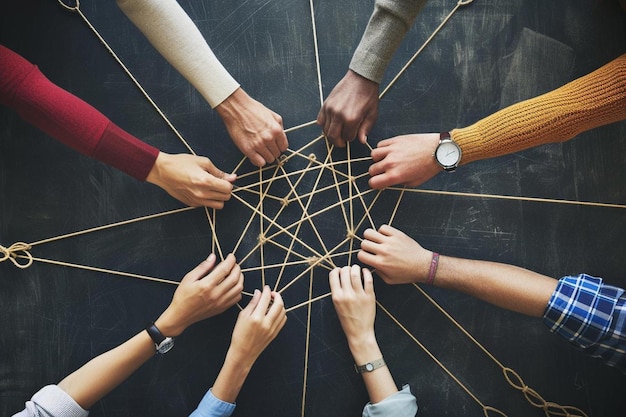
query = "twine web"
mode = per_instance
[{"x": 299, "y": 179}]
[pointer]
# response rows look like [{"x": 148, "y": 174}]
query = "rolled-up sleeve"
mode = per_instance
[
  {"x": 52, "y": 401},
  {"x": 591, "y": 315},
  {"x": 401, "y": 404}
]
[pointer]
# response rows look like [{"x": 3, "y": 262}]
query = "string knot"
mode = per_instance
[{"x": 15, "y": 251}]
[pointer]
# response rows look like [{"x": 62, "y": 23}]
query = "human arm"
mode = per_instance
[
  {"x": 257, "y": 325},
  {"x": 597, "y": 99},
  {"x": 191, "y": 179},
  {"x": 256, "y": 130},
  {"x": 355, "y": 302},
  {"x": 351, "y": 108},
  {"x": 69, "y": 119},
  {"x": 205, "y": 291},
  {"x": 398, "y": 259}
]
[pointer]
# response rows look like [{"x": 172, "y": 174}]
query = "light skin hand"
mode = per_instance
[
  {"x": 256, "y": 130},
  {"x": 191, "y": 179},
  {"x": 397, "y": 258},
  {"x": 257, "y": 325},
  {"x": 350, "y": 110},
  {"x": 197, "y": 297},
  {"x": 406, "y": 160},
  {"x": 204, "y": 292},
  {"x": 355, "y": 302}
]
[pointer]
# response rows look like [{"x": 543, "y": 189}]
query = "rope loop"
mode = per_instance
[
  {"x": 460, "y": 3},
  {"x": 489, "y": 411},
  {"x": 554, "y": 409},
  {"x": 70, "y": 8},
  {"x": 15, "y": 251}
]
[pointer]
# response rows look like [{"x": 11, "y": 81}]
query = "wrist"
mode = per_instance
[
  {"x": 229, "y": 107},
  {"x": 364, "y": 349},
  {"x": 154, "y": 176},
  {"x": 168, "y": 325}
]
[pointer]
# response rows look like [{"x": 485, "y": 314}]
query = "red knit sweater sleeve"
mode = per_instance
[{"x": 69, "y": 119}]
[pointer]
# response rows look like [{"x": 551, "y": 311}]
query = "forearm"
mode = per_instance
[
  {"x": 69, "y": 119},
  {"x": 231, "y": 377},
  {"x": 102, "y": 374},
  {"x": 503, "y": 285},
  {"x": 379, "y": 382},
  {"x": 388, "y": 25},
  {"x": 596, "y": 99},
  {"x": 170, "y": 30}
]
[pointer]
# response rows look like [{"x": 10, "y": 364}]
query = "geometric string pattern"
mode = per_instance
[{"x": 287, "y": 205}]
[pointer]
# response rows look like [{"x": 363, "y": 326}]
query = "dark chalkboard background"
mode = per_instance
[{"x": 491, "y": 54}]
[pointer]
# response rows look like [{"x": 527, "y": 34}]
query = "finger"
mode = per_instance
[
  {"x": 349, "y": 131},
  {"x": 264, "y": 302},
  {"x": 355, "y": 277},
  {"x": 321, "y": 117},
  {"x": 209, "y": 167},
  {"x": 368, "y": 281},
  {"x": 370, "y": 247},
  {"x": 281, "y": 140},
  {"x": 387, "y": 230},
  {"x": 222, "y": 269},
  {"x": 333, "y": 280},
  {"x": 254, "y": 301},
  {"x": 277, "y": 308},
  {"x": 380, "y": 182},
  {"x": 232, "y": 285},
  {"x": 256, "y": 159},
  {"x": 373, "y": 236},
  {"x": 334, "y": 133},
  {"x": 273, "y": 148},
  {"x": 345, "y": 279},
  {"x": 365, "y": 128},
  {"x": 201, "y": 270},
  {"x": 367, "y": 258}
]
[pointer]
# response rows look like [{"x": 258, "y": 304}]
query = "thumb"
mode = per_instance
[{"x": 209, "y": 167}]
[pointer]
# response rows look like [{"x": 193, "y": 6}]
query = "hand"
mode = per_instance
[
  {"x": 204, "y": 292},
  {"x": 257, "y": 325},
  {"x": 256, "y": 130},
  {"x": 397, "y": 258},
  {"x": 406, "y": 160},
  {"x": 193, "y": 180},
  {"x": 355, "y": 303},
  {"x": 350, "y": 110}
]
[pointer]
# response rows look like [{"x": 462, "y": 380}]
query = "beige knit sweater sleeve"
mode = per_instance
[
  {"x": 596, "y": 99},
  {"x": 172, "y": 32}
]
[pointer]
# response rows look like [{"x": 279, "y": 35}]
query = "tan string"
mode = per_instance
[
  {"x": 21, "y": 250},
  {"x": 15, "y": 251},
  {"x": 549, "y": 408}
]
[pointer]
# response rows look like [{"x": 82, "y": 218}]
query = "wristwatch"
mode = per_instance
[
  {"x": 162, "y": 344},
  {"x": 448, "y": 153},
  {"x": 370, "y": 366}
]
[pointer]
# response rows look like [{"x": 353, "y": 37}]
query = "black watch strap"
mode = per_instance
[{"x": 155, "y": 333}]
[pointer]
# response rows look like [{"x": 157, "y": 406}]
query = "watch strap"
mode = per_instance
[
  {"x": 370, "y": 366},
  {"x": 155, "y": 333}
]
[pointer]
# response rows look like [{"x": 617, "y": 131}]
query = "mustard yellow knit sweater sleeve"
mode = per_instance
[{"x": 596, "y": 99}]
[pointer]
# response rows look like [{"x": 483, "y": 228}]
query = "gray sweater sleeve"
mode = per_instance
[{"x": 388, "y": 25}]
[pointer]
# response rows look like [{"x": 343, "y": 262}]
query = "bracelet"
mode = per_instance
[
  {"x": 370, "y": 366},
  {"x": 434, "y": 263}
]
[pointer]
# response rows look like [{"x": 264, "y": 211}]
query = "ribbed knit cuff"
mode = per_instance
[{"x": 125, "y": 152}]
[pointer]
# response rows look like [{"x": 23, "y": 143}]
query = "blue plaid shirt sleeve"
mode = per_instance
[{"x": 590, "y": 315}]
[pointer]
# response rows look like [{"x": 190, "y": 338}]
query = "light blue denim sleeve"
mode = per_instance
[
  {"x": 211, "y": 406},
  {"x": 52, "y": 401},
  {"x": 400, "y": 404}
]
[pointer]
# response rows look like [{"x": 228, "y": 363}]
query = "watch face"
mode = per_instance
[
  {"x": 447, "y": 154},
  {"x": 165, "y": 345},
  {"x": 369, "y": 367}
]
